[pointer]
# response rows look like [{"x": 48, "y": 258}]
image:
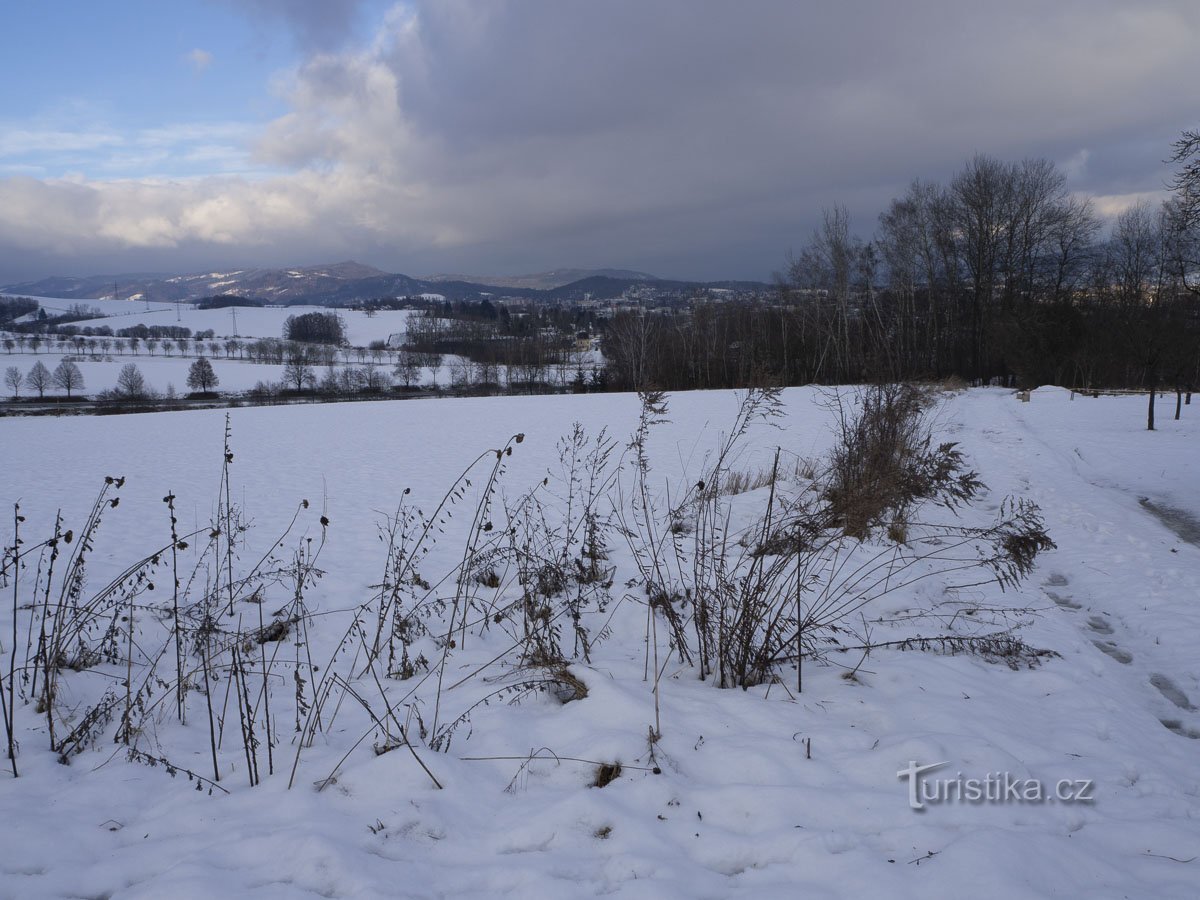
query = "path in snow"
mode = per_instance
[
  {"x": 1145, "y": 577},
  {"x": 1180, "y": 521}
]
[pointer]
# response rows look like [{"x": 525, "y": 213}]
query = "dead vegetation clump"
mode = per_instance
[
  {"x": 739, "y": 601},
  {"x": 606, "y": 774},
  {"x": 884, "y": 462},
  {"x": 742, "y": 481}
]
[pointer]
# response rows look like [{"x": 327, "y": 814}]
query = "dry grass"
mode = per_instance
[
  {"x": 884, "y": 462},
  {"x": 740, "y": 482},
  {"x": 606, "y": 774}
]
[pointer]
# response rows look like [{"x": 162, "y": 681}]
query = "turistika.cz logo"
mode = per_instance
[{"x": 995, "y": 787}]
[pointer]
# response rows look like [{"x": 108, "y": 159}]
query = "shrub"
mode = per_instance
[
  {"x": 884, "y": 461},
  {"x": 782, "y": 588}
]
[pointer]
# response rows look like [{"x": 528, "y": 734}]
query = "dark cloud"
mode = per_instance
[{"x": 682, "y": 137}]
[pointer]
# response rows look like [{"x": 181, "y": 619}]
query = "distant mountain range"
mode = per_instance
[
  {"x": 344, "y": 283},
  {"x": 546, "y": 281}
]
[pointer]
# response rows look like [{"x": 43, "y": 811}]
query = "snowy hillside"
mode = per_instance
[{"x": 511, "y": 786}]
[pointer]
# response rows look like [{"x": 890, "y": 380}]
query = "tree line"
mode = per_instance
[
  {"x": 131, "y": 384},
  {"x": 1000, "y": 275}
]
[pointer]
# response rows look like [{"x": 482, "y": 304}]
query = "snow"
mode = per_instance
[
  {"x": 100, "y": 372},
  {"x": 109, "y": 306},
  {"x": 257, "y": 321},
  {"x": 745, "y": 805},
  {"x": 252, "y": 321}
]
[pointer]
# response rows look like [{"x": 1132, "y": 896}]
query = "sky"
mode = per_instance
[{"x": 687, "y": 138}]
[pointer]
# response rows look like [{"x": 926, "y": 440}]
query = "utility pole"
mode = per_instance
[{"x": 233, "y": 311}]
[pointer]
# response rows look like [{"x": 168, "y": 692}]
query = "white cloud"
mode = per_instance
[
  {"x": 52, "y": 148},
  {"x": 17, "y": 141},
  {"x": 1109, "y": 206}
]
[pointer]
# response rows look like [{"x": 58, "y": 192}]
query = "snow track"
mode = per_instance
[{"x": 1136, "y": 568}]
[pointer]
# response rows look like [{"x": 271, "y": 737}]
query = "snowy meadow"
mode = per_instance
[
  {"x": 604, "y": 645},
  {"x": 165, "y": 364}
]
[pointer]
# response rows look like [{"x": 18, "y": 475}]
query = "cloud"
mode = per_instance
[
  {"x": 1109, "y": 206},
  {"x": 683, "y": 137},
  {"x": 199, "y": 59},
  {"x": 320, "y": 24},
  {"x": 1075, "y": 167},
  {"x": 54, "y": 148},
  {"x": 17, "y": 141}
]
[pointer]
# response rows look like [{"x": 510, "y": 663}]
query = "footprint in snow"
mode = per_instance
[
  {"x": 1099, "y": 626},
  {"x": 1064, "y": 602},
  {"x": 1111, "y": 649},
  {"x": 1168, "y": 689},
  {"x": 1176, "y": 726},
  {"x": 1057, "y": 580}
]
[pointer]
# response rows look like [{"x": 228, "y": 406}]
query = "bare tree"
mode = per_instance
[
  {"x": 376, "y": 379},
  {"x": 630, "y": 347},
  {"x": 352, "y": 380},
  {"x": 12, "y": 380},
  {"x": 297, "y": 373},
  {"x": 1186, "y": 183},
  {"x": 130, "y": 383},
  {"x": 982, "y": 196},
  {"x": 68, "y": 377},
  {"x": 1147, "y": 312},
  {"x": 1184, "y": 212},
  {"x": 38, "y": 378},
  {"x": 408, "y": 368}
]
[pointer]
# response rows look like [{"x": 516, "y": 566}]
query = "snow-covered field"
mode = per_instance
[
  {"x": 257, "y": 322},
  {"x": 100, "y": 372},
  {"x": 758, "y": 793},
  {"x": 161, "y": 371},
  {"x": 251, "y": 322}
]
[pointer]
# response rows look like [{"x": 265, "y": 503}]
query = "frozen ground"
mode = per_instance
[{"x": 763, "y": 793}]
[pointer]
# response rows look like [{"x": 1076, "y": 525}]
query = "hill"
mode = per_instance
[{"x": 348, "y": 283}]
